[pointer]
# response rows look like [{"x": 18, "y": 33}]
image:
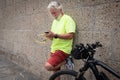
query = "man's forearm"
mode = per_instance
[{"x": 65, "y": 36}]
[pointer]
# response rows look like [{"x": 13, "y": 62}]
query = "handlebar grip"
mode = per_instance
[
  {"x": 97, "y": 44},
  {"x": 94, "y": 45}
]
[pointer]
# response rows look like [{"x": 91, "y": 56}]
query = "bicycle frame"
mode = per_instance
[
  {"x": 92, "y": 64},
  {"x": 106, "y": 67}
]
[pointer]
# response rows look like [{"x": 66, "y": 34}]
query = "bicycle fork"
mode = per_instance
[{"x": 81, "y": 72}]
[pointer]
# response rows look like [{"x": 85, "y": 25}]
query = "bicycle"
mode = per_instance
[{"x": 86, "y": 53}]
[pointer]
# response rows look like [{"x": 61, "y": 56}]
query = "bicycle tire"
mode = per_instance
[{"x": 66, "y": 72}]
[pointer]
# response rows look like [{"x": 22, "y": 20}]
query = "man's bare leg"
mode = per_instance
[{"x": 49, "y": 67}]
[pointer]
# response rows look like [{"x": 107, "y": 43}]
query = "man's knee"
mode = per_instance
[{"x": 48, "y": 66}]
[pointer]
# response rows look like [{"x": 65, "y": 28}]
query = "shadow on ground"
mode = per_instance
[{"x": 11, "y": 71}]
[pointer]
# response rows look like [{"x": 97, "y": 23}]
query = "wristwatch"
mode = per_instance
[{"x": 55, "y": 36}]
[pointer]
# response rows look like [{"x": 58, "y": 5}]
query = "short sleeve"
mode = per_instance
[{"x": 70, "y": 25}]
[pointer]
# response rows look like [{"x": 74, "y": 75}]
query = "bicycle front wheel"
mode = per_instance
[{"x": 66, "y": 75}]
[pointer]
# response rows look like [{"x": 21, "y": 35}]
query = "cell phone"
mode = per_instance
[{"x": 46, "y": 32}]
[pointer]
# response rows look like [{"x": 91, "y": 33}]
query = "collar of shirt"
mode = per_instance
[{"x": 59, "y": 17}]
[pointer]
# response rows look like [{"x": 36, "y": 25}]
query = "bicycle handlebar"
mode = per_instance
[{"x": 92, "y": 47}]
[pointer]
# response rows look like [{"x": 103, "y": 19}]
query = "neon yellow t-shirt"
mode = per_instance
[{"x": 61, "y": 26}]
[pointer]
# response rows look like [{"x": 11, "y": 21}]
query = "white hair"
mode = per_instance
[{"x": 54, "y": 4}]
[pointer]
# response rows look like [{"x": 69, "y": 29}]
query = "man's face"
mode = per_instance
[{"x": 55, "y": 12}]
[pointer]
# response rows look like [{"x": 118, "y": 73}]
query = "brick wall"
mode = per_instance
[{"x": 23, "y": 22}]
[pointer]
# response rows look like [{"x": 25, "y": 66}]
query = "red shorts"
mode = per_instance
[{"x": 57, "y": 57}]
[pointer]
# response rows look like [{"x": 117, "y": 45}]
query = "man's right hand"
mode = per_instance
[{"x": 49, "y": 35}]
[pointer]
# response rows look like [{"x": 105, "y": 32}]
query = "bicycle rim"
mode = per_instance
[{"x": 65, "y": 75}]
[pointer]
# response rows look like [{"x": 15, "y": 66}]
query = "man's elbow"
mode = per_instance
[{"x": 70, "y": 36}]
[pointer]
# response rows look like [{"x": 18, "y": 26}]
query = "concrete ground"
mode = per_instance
[{"x": 11, "y": 71}]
